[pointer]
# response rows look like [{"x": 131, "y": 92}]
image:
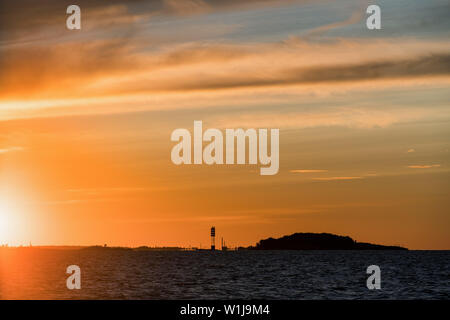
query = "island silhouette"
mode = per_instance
[{"x": 317, "y": 241}]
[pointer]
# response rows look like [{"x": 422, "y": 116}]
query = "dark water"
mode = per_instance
[{"x": 116, "y": 274}]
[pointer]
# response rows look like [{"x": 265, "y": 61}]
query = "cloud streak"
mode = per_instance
[
  {"x": 122, "y": 66},
  {"x": 10, "y": 149},
  {"x": 337, "y": 178},
  {"x": 308, "y": 171},
  {"x": 25, "y": 18},
  {"x": 424, "y": 166}
]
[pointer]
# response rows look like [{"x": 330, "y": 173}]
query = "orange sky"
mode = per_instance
[{"x": 86, "y": 118}]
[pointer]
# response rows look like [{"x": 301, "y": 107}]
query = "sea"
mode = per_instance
[{"x": 27, "y": 273}]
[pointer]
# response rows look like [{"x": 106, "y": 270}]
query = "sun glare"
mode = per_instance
[
  {"x": 3, "y": 221},
  {"x": 7, "y": 222}
]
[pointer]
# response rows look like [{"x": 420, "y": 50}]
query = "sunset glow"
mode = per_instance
[{"x": 86, "y": 117}]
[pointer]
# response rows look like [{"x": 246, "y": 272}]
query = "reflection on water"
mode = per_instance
[{"x": 124, "y": 274}]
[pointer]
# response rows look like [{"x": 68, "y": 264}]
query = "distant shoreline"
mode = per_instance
[
  {"x": 157, "y": 249},
  {"x": 296, "y": 241}
]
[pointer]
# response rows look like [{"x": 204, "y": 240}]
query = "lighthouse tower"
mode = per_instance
[{"x": 213, "y": 238}]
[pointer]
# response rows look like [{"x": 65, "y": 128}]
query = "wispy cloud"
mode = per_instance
[
  {"x": 112, "y": 73},
  {"x": 355, "y": 17},
  {"x": 351, "y": 117},
  {"x": 337, "y": 178},
  {"x": 188, "y": 7},
  {"x": 10, "y": 149},
  {"x": 308, "y": 171},
  {"x": 124, "y": 66},
  {"x": 371, "y": 174},
  {"x": 25, "y": 18},
  {"x": 424, "y": 166}
]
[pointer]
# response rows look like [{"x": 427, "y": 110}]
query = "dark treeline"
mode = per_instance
[{"x": 317, "y": 241}]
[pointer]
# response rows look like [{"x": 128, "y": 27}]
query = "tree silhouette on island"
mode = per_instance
[{"x": 317, "y": 241}]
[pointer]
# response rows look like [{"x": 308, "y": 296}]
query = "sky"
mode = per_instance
[{"x": 86, "y": 117}]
